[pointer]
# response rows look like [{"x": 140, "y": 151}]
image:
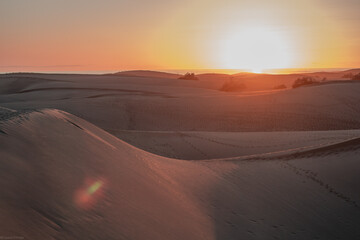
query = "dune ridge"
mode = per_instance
[
  {"x": 46, "y": 173},
  {"x": 149, "y": 196}
]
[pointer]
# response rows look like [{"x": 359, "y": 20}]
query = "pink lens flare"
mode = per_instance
[{"x": 90, "y": 193}]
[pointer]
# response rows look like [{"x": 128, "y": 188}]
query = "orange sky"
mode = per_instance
[{"x": 85, "y": 35}]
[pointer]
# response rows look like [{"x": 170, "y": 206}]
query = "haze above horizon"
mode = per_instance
[{"x": 87, "y": 35}]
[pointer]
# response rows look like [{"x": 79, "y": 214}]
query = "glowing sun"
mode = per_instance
[{"x": 255, "y": 48}]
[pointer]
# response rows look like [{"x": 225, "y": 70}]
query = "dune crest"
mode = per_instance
[
  {"x": 63, "y": 177},
  {"x": 49, "y": 154}
]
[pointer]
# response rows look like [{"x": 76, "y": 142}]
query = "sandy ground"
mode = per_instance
[
  {"x": 107, "y": 165},
  {"x": 133, "y": 103},
  {"x": 213, "y": 145}
]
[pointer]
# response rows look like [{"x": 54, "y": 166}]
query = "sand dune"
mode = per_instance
[
  {"x": 145, "y": 73},
  {"x": 122, "y": 103},
  {"x": 43, "y": 168},
  {"x": 158, "y": 158},
  {"x": 48, "y": 155}
]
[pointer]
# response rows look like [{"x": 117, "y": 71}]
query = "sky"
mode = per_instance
[{"x": 110, "y": 35}]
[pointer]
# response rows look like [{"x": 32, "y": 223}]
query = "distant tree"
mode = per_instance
[
  {"x": 304, "y": 81},
  {"x": 356, "y": 77},
  {"x": 282, "y": 86},
  {"x": 348, "y": 75},
  {"x": 232, "y": 85},
  {"x": 324, "y": 79},
  {"x": 189, "y": 76}
]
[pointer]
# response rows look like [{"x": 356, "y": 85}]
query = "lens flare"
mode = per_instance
[
  {"x": 88, "y": 195},
  {"x": 96, "y": 186}
]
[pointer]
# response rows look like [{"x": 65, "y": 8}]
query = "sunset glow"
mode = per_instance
[
  {"x": 197, "y": 34},
  {"x": 255, "y": 48}
]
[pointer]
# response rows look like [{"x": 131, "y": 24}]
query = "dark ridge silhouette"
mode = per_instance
[
  {"x": 304, "y": 81},
  {"x": 145, "y": 73},
  {"x": 356, "y": 77},
  {"x": 281, "y": 86},
  {"x": 189, "y": 76}
]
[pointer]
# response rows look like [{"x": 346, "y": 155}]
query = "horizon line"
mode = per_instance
[{"x": 196, "y": 71}]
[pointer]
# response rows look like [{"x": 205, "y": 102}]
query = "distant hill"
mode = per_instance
[
  {"x": 147, "y": 73},
  {"x": 212, "y": 76},
  {"x": 355, "y": 70}
]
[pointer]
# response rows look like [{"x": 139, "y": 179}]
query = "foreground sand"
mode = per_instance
[
  {"x": 47, "y": 156},
  {"x": 159, "y": 158}
]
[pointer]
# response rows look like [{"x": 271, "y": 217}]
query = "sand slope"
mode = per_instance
[
  {"x": 47, "y": 155},
  {"x": 211, "y": 145}
]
